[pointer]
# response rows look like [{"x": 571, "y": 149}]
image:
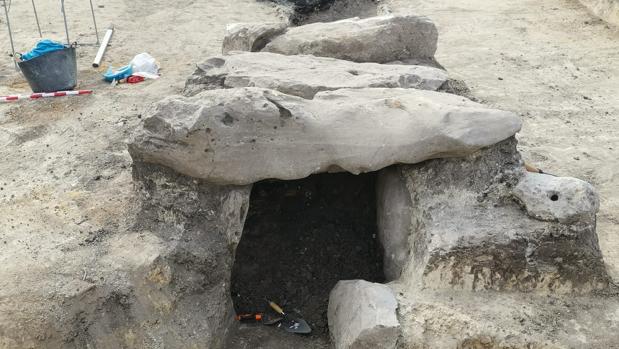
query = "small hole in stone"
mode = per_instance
[
  {"x": 554, "y": 197},
  {"x": 228, "y": 120}
]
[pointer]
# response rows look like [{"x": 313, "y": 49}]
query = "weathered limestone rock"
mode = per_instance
[
  {"x": 562, "y": 199},
  {"x": 240, "y": 136},
  {"x": 456, "y": 238},
  {"x": 394, "y": 211},
  {"x": 185, "y": 293},
  {"x": 250, "y": 36},
  {"x": 466, "y": 231},
  {"x": 377, "y": 39},
  {"x": 304, "y": 75},
  {"x": 362, "y": 315}
]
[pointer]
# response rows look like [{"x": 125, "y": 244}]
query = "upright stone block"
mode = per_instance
[{"x": 362, "y": 315}]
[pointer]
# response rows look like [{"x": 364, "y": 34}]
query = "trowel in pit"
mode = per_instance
[{"x": 290, "y": 324}]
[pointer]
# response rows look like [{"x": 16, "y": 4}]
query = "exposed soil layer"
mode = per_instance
[
  {"x": 307, "y": 6},
  {"x": 300, "y": 238},
  {"x": 256, "y": 336},
  {"x": 311, "y": 11}
]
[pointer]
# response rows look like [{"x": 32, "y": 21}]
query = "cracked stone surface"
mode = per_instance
[
  {"x": 362, "y": 315},
  {"x": 380, "y": 39},
  {"x": 467, "y": 232},
  {"x": 306, "y": 75},
  {"x": 240, "y": 136}
]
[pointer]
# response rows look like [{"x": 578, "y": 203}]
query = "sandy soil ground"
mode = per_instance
[
  {"x": 65, "y": 176},
  {"x": 554, "y": 64}
]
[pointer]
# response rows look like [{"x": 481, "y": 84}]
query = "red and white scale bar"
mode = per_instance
[{"x": 44, "y": 95}]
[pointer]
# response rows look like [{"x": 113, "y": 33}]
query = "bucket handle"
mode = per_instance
[{"x": 36, "y": 16}]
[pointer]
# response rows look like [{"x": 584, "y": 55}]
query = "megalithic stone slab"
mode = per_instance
[
  {"x": 379, "y": 39},
  {"x": 241, "y": 136},
  {"x": 362, "y": 315},
  {"x": 306, "y": 75}
]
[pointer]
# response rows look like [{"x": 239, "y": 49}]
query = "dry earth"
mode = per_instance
[
  {"x": 66, "y": 193},
  {"x": 65, "y": 177}
]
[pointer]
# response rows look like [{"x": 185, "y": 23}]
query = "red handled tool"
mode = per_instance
[
  {"x": 264, "y": 319},
  {"x": 248, "y": 317}
]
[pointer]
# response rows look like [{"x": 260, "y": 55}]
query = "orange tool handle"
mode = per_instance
[{"x": 248, "y": 317}]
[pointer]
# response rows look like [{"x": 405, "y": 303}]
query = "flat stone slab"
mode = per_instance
[
  {"x": 241, "y": 136},
  {"x": 379, "y": 39},
  {"x": 362, "y": 315},
  {"x": 306, "y": 75}
]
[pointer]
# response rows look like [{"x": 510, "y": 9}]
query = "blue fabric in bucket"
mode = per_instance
[{"x": 43, "y": 47}]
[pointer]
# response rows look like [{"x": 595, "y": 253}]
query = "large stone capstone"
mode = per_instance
[
  {"x": 306, "y": 75},
  {"x": 240, "y": 136},
  {"x": 379, "y": 39}
]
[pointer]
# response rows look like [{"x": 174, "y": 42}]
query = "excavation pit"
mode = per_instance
[
  {"x": 330, "y": 10},
  {"x": 300, "y": 238}
]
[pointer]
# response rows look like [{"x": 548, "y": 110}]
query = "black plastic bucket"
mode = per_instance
[{"x": 51, "y": 72}]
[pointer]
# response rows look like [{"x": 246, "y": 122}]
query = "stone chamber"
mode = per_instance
[
  {"x": 300, "y": 238},
  {"x": 371, "y": 199}
]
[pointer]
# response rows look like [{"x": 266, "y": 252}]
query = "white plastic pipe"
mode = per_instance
[{"x": 103, "y": 47}]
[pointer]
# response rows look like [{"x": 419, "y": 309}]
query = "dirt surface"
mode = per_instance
[
  {"x": 66, "y": 192},
  {"x": 65, "y": 180},
  {"x": 301, "y": 237},
  {"x": 252, "y": 336},
  {"x": 307, "y": 6},
  {"x": 555, "y": 65}
]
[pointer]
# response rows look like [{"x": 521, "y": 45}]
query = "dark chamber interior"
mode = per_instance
[{"x": 300, "y": 238}]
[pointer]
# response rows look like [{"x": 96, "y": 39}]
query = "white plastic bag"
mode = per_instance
[{"x": 145, "y": 65}]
